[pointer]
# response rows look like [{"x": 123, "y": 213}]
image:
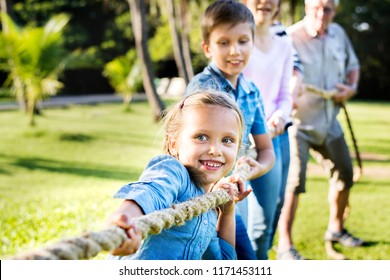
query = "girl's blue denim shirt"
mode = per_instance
[{"x": 165, "y": 181}]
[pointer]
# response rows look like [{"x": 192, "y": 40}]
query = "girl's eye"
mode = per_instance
[
  {"x": 201, "y": 137},
  {"x": 244, "y": 41},
  {"x": 228, "y": 140}
]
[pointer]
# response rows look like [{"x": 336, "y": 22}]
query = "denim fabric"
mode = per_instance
[
  {"x": 246, "y": 95},
  {"x": 243, "y": 244},
  {"x": 285, "y": 156},
  {"x": 268, "y": 190},
  {"x": 165, "y": 181}
]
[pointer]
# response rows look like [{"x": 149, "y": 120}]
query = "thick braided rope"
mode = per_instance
[
  {"x": 326, "y": 94},
  {"x": 90, "y": 244}
]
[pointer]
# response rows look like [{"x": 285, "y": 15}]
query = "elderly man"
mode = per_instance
[{"x": 330, "y": 63}]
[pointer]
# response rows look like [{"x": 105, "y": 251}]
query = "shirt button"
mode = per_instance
[{"x": 205, "y": 222}]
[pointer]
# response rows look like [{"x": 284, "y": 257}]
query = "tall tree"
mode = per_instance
[
  {"x": 6, "y": 6},
  {"x": 138, "y": 20},
  {"x": 176, "y": 41},
  {"x": 185, "y": 42},
  {"x": 178, "y": 22}
]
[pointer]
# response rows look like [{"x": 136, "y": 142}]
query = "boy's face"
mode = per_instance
[{"x": 229, "y": 47}]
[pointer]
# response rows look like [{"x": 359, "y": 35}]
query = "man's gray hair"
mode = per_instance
[{"x": 335, "y": 2}]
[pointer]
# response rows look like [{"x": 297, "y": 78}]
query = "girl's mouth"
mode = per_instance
[{"x": 209, "y": 164}]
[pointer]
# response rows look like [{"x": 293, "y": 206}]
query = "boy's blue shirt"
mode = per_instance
[
  {"x": 247, "y": 96},
  {"x": 164, "y": 182}
]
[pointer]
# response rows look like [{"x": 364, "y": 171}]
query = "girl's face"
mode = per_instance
[
  {"x": 263, "y": 11},
  {"x": 229, "y": 47},
  {"x": 208, "y": 141}
]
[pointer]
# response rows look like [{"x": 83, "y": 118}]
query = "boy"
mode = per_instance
[{"x": 228, "y": 31}]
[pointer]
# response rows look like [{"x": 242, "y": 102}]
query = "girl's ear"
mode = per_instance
[
  {"x": 206, "y": 50},
  {"x": 173, "y": 148}
]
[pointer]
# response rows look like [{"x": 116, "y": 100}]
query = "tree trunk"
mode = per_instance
[
  {"x": 138, "y": 15},
  {"x": 291, "y": 14},
  {"x": 185, "y": 42},
  {"x": 6, "y": 7},
  {"x": 292, "y": 11},
  {"x": 173, "y": 19}
]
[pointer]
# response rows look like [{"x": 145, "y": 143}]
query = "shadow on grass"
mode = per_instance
[
  {"x": 75, "y": 137},
  {"x": 373, "y": 243},
  {"x": 76, "y": 168},
  {"x": 366, "y": 244},
  {"x": 3, "y": 171}
]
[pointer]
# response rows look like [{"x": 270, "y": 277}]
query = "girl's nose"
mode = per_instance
[{"x": 215, "y": 149}]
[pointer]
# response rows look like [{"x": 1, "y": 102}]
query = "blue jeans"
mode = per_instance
[
  {"x": 244, "y": 248},
  {"x": 285, "y": 155},
  {"x": 265, "y": 204}
]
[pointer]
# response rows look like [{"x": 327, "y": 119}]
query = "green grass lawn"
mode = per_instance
[{"x": 57, "y": 179}]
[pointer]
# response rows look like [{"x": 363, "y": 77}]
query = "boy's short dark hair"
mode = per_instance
[{"x": 222, "y": 12}]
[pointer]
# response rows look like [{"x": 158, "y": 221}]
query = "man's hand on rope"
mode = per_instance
[
  {"x": 344, "y": 92},
  {"x": 122, "y": 218}
]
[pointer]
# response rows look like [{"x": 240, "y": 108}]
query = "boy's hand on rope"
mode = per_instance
[{"x": 255, "y": 167}]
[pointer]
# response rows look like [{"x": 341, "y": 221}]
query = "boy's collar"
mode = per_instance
[
  {"x": 241, "y": 81},
  {"x": 215, "y": 68}
]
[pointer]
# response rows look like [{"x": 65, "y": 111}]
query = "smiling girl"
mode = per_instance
[{"x": 202, "y": 137}]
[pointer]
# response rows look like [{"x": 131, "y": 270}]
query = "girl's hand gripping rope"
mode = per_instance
[
  {"x": 121, "y": 218},
  {"x": 235, "y": 187}
]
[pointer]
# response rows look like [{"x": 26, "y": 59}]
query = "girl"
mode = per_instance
[{"x": 202, "y": 137}]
